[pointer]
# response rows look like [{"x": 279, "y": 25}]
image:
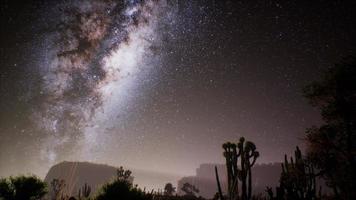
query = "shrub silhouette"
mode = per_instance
[
  {"x": 123, "y": 174},
  {"x": 169, "y": 190},
  {"x": 22, "y": 188},
  {"x": 190, "y": 190},
  {"x": 122, "y": 188}
]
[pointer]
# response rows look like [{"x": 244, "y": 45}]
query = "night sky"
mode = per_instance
[{"x": 160, "y": 85}]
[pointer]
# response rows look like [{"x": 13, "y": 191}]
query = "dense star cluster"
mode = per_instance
[
  {"x": 160, "y": 84},
  {"x": 96, "y": 51}
]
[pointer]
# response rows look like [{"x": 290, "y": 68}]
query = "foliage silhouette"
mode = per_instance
[
  {"x": 190, "y": 190},
  {"x": 332, "y": 146},
  {"x": 169, "y": 190},
  {"x": 22, "y": 188},
  {"x": 122, "y": 188},
  {"x": 123, "y": 174}
]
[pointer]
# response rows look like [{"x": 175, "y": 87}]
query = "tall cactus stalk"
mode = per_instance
[
  {"x": 221, "y": 196},
  {"x": 231, "y": 155},
  {"x": 248, "y": 155},
  {"x": 251, "y": 157},
  {"x": 298, "y": 179},
  {"x": 243, "y": 171},
  {"x": 84, "y": 192}
]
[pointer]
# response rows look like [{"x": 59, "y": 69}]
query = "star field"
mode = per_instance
[{"x": 206, "y": 72}]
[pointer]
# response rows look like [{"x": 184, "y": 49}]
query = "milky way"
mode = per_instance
[{"x": 98, "y": 53}]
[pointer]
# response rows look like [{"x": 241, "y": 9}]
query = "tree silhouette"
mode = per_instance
[
  {"x": 22, "y": 188},
  {"x": 123, "y": 174},
  {"x": 190, "y": 190},
  {"x": 169, "y": 190},
  {"x": 332, "y": 146}
]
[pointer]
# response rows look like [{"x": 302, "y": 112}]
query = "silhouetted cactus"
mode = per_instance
[
  {"x": 298, "y": 177},
  {"x": 57, "y": 187},
  {"x": 84, "y": 192},
  {"x": 248, "y": 155},
  {"x": 220, "y": 194},
  {"x": 297, "y": 181},
  {"x": 231, "y": 155}
]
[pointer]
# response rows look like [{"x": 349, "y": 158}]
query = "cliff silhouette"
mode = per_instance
[
  {"x": 77, "y": 174},
  {"x": 263, "y": 175}
]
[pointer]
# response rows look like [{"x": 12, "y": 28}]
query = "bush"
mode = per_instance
[
  {"x": 21, "y": 188},
  {"x": 121, "y": 189}
]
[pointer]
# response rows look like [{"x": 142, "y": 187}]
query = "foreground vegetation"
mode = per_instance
[
  {"x": 331, "y": 155},
  {"x": 21, "y": 188}
]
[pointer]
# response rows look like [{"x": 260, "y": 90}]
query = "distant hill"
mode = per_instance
[
  {"x": 262, "y": 175},
  {"x": 76, "y": 174}
]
